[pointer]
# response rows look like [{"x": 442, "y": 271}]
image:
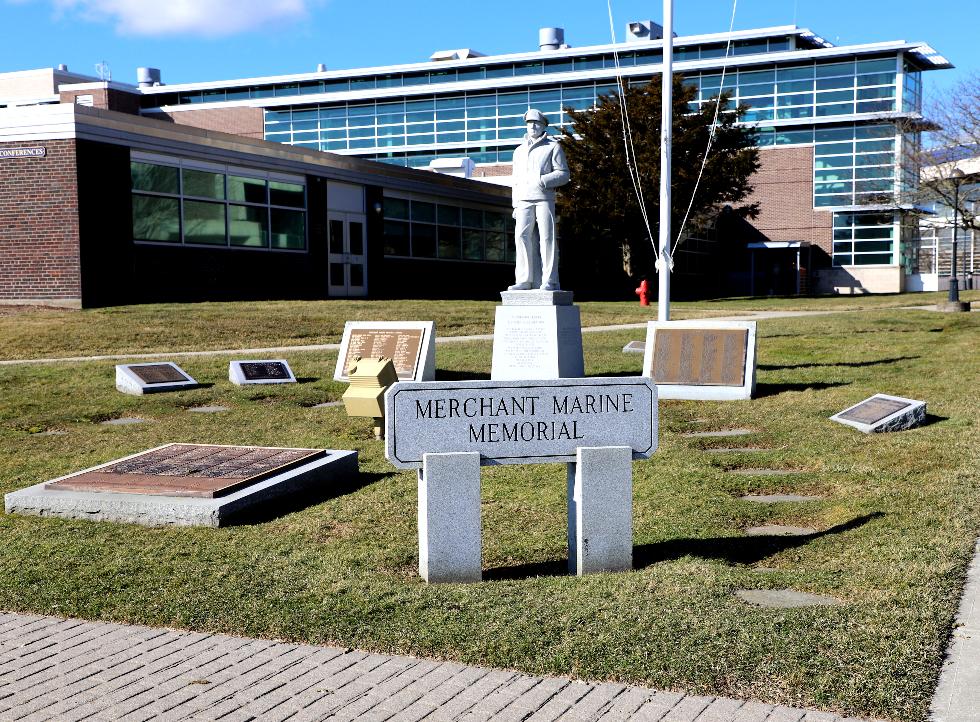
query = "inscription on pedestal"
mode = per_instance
[
  {"x": 526, "y": 341},
  {"x": 704, "y": 357},
  {"x": 200, "y": 470}
]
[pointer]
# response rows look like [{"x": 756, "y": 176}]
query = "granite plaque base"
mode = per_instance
[
  {"x": 150, "y": 488},
  {"x": 882, "y": 413},
  {"x": 537, "y": 335},
  {"x": 150, "y": 378}
]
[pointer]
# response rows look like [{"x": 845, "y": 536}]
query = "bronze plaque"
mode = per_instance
[
  {"x": 700, "y": 356},
  {"x": 873, "y": 410},
  {"x": 255, "y": 371},
  {"x": 158, "y": 374},
  {"x": 202, "y": 470},
  {"x": 402, "y": 345}
]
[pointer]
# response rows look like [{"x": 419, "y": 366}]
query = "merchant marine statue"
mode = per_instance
[{"x": 539, "y": 168}]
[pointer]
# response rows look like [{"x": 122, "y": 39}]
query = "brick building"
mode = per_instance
[{"x": 833, "y": 124}]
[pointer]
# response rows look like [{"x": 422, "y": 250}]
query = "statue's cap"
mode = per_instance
[{"x": 534, "y": 114}]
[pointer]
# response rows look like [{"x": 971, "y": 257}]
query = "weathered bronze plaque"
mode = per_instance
[
  {"x": 202, "y": 470},
  {"x": 700, "y": 356},
  {"x": 158, "y": 374},
  {"x": 873, "y": 410},
  {"x": 256, "y": 371},
  {"x": 402, "y": 345}
]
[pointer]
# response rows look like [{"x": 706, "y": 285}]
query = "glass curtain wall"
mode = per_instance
[{"x": 174, "y": 202}]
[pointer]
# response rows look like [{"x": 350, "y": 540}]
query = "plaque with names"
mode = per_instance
[
  {"x": 277, "y": 371},
  {"x": 873, "y": 410},
  {"x": 151, "y": 374},
  {"x": 189, "y": 470},
  {"x": 701, "y": 359},
  {"x": 410, "y": 345},
  {"x": 700, "y": 356}
]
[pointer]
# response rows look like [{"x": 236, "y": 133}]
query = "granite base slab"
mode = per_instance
[
  {"x": 150, "y": 510},
  {"x": 534, "y": 297}
]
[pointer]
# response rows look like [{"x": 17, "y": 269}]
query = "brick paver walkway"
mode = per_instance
[{"x": 67, "y": 670}]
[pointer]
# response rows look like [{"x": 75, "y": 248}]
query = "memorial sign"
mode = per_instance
[
  {"x": 409, "y": 344},
  {"x": 635, "y": 347},
  {"x": 881, "y": 413},
  {"x": 184, "y": 484},
  {"x": 146, "y": 378},
  {"x": 709, "y": 360},
  {"x": 243, "y": 373},
  {"x": 519, "y": 422}
]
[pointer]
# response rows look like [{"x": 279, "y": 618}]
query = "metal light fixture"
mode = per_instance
[{"x": 956, "y": 176}]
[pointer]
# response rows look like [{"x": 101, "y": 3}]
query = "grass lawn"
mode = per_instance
[
  {"x": 54, "y": 333},
  {"x": 896, "y": 521}
]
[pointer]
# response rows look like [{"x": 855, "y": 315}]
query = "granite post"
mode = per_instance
[
  {"x": 600, "y": 510},
  {"x": 449, "y": 518}
]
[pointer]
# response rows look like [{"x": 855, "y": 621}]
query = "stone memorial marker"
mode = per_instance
[
  {"x": 537, "y": 335},
  {"x": 411, "y": 345},
  {"x": 148, "y": 378},
  {"x": 243, "y": 373},
  {"x": 703, "y": 359},
  {"x": 882, "y": 413},
  {"x": 635, "y": 347},
  {"x": 183, "y": 484},
  {"x": 447, "y": 430}
]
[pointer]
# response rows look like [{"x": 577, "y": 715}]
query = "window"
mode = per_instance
[
  {"x": 179, "y": 201},
  {"x": 428, "y": 229},
  {"x": 854, "y": 165},
  {"x": 862, "y": 239}
]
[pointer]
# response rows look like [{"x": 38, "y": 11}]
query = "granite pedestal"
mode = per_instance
[
  {"x": 450, "y": 540},
  {"x": 537, "y": 335}
]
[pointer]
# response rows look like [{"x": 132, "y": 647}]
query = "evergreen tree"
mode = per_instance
[{"x": 602, "y": 229}]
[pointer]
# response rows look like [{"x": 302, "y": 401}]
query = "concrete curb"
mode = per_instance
[{"x": 957, "y": 697}]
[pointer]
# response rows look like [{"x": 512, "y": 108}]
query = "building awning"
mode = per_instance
[{"x": 777, "y": 244}]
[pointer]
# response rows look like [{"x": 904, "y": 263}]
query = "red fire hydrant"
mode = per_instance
[{"x": 642, "y": 293}]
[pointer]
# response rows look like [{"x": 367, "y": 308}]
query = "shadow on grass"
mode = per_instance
[
  {"x": 453, "y": 375},
  {"x": 736, "y": 550},
  {"x": 306, "y": 379},
  {"x": 764, "y": 390},
  {"x": 732, "y": 550},
  {"x": 287, "y": 505},
  {"x": 933, "y": 419},
  {"x": 852, "y": 364}
]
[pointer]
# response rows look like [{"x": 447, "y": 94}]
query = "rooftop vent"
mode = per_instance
[
  {"x": 62, "y": 67},
  {"x": 321, "y": 68},
  {"x": 458, "y": 54},
  {"x": 148, "y": 77},
  {"x": 640, "y": 30},
  {"x": 551, "y": 39}
]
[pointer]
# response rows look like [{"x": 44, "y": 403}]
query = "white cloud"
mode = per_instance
[{"x": 183, "y": 17}]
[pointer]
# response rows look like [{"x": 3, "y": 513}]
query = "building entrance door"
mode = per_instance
[{"x": 347, "y": 262}]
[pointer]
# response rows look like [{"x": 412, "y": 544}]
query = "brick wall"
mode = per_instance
[
  {"x": 107, "y": 99},
  {"x": 249, "y": 122},
  {"x": 39, "y": 238},
  {"x": 784, "y": 191}
]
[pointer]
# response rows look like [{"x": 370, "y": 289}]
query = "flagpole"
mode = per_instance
[{"x": 666, "y": 118}]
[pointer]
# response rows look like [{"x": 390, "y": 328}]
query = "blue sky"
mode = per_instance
[{"x": 197, "y": 40}]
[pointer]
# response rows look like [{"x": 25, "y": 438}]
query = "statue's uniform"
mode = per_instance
[{"x": 539, "y": 168}]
